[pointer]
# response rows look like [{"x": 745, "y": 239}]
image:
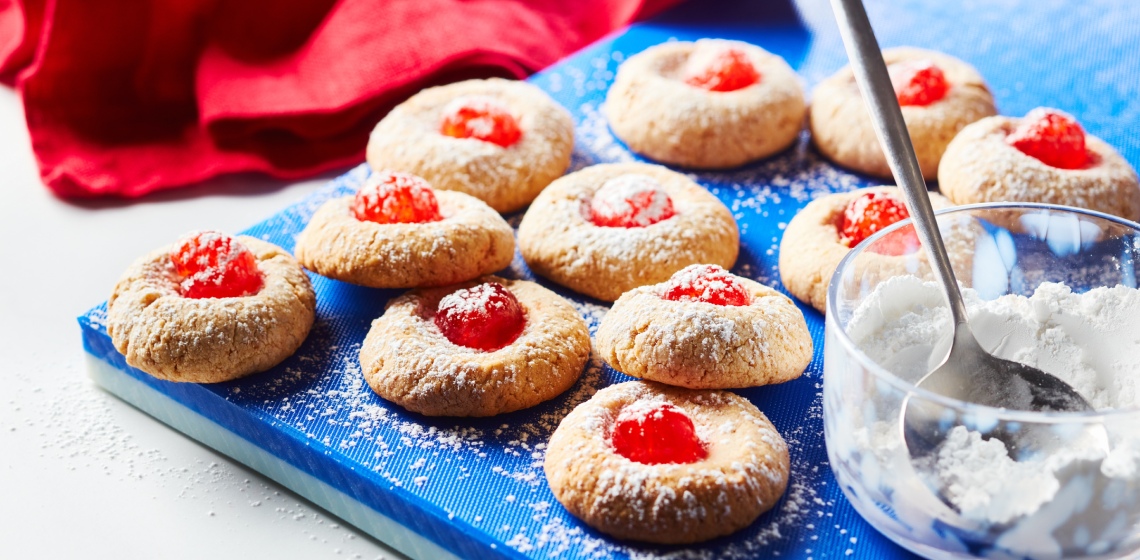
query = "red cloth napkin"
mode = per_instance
[{"x": 126, "y": 97}]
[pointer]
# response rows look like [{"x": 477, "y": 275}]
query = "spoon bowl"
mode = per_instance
[{"x": 971, "y": 374}]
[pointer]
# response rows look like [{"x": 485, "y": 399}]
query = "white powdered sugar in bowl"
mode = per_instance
[
  {"x": 1085, "y": 339},
  {"x": 1077, "y": 498}
]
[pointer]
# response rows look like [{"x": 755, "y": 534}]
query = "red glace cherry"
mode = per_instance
[
  {"x": 214, "y": 265},
  {"x": 396, "y": 198},
  {"x": 481, "y": 118},
  {"x": 1053, "y": 137},
  {"x": 630, "y": 201},
  {"x": 918, "y": 82},
  {"x": 726, "y": 69},
  {"x": 653, "y": 434},
  {"x": 872, "y": 212},
  {"x": 484, "y": 317},
  {"x": 708, "y": 283}
]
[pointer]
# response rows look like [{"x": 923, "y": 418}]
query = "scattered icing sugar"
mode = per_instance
[
  {"x": 476, "y": 300},
  {"x": 320, "y": 393},
  {"x": 81, "y": 429},
  {"x": 332, "y": 406}
]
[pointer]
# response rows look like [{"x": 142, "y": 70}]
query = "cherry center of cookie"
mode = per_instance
[
  {"x": 656, "y": 434},
  {"x": 708, "y": 283},
  {"x": 872, "y": 212},
  {"x": 725, "y": 69},
  {"x": 1051, "y": 136},
  {"x": 212, "y": 264},
  {"x": 918, "y": 82},
  {"x": 481, "y": 118},
  {"x": 484, "y": 317},
  {"x": 397, "y": 198},
  {"x": 630, "y": 201}
]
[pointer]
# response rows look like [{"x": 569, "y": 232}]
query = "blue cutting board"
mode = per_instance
[{"x": 475, "y": 488}]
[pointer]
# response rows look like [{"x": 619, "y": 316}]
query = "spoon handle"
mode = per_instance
[{"x": 879, "y": 95}]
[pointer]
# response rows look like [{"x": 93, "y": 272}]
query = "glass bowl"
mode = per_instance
[{"x": 1070, "y": 491}]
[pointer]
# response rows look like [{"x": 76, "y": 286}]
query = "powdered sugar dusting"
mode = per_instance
[
  {"x": 482, "y": 125},
  {"x": 630, "y": 200},
  {"x": 707, "y": 283},
  {"x": 320, "y": 394},
  {"x": 719, "y": 66},
  {"x": 476, "y": 300},
  {"x": 209, "y": 262}
]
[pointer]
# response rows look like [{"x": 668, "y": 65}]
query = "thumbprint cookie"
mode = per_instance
[
  {"x": 660, "y": 464},
  {"x": 706, "y": 328},
  {"x": 480, "y": 348},
  {"x": 712, "y": 104},
  {"x": 609, "y": 228},
  {"x": 399, "y": 232},
  {"x": 500, "y": 141},
  {"x": 211, "y": 308},
  {"x": 1045, "y": 156},
  {"x": 938, "y": 94},
  {"x": 821, "y": 234}
]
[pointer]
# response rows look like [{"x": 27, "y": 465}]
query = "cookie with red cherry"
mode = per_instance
[
  {"x": 706, "y": 328},
  {"x": 1045, "y": 156},
  {"x": 711, "y": 104},
  {"x": 500, "y": 141},
  {"x": 938, "y": 94},
  {"x": 825, "y": 230},
  {"x": 653, "y": 463},
  {"x": 399, "y": 232},
  {"x": 609, "y": 228},
  {"x": 479, "y": 348},
  {"x": 211, "y": 307}
]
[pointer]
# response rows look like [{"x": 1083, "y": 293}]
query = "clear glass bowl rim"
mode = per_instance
[{"x": 883, "y": 374}]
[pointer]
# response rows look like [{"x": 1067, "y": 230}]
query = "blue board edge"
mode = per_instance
[{"x": 307, "y": 457}]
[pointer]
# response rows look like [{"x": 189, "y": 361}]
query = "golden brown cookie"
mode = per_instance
[
  {"x": 653, "y": 109},
  {"x": 742, "y": 474},
  {"x": 980, "y": 166},
  {"x": 812, "y": 245},
  {"x": 507, "y": 178},
  {"x": 560, "y": 240},
  {"x": 210, "y": 339},
  {"x": 408, "y": 359},
  {"x": 841, "y": 125},
  {"x": 706, "y": 329},
  {"x": 470, "y": 240}
]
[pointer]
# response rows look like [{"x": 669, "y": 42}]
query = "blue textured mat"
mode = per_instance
[{"x": 476, "y": 487}]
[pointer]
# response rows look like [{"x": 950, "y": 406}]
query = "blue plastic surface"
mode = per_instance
[{"x": 476, "y": 487}]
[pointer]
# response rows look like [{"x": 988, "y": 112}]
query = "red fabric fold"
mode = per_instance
[{"x": 126, "y": 97}]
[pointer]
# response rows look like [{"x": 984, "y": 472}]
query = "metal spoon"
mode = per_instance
[{"x": 968, "y": 373}]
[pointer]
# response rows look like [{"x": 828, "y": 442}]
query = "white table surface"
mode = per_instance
[{"x": 83, "y": 474}]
